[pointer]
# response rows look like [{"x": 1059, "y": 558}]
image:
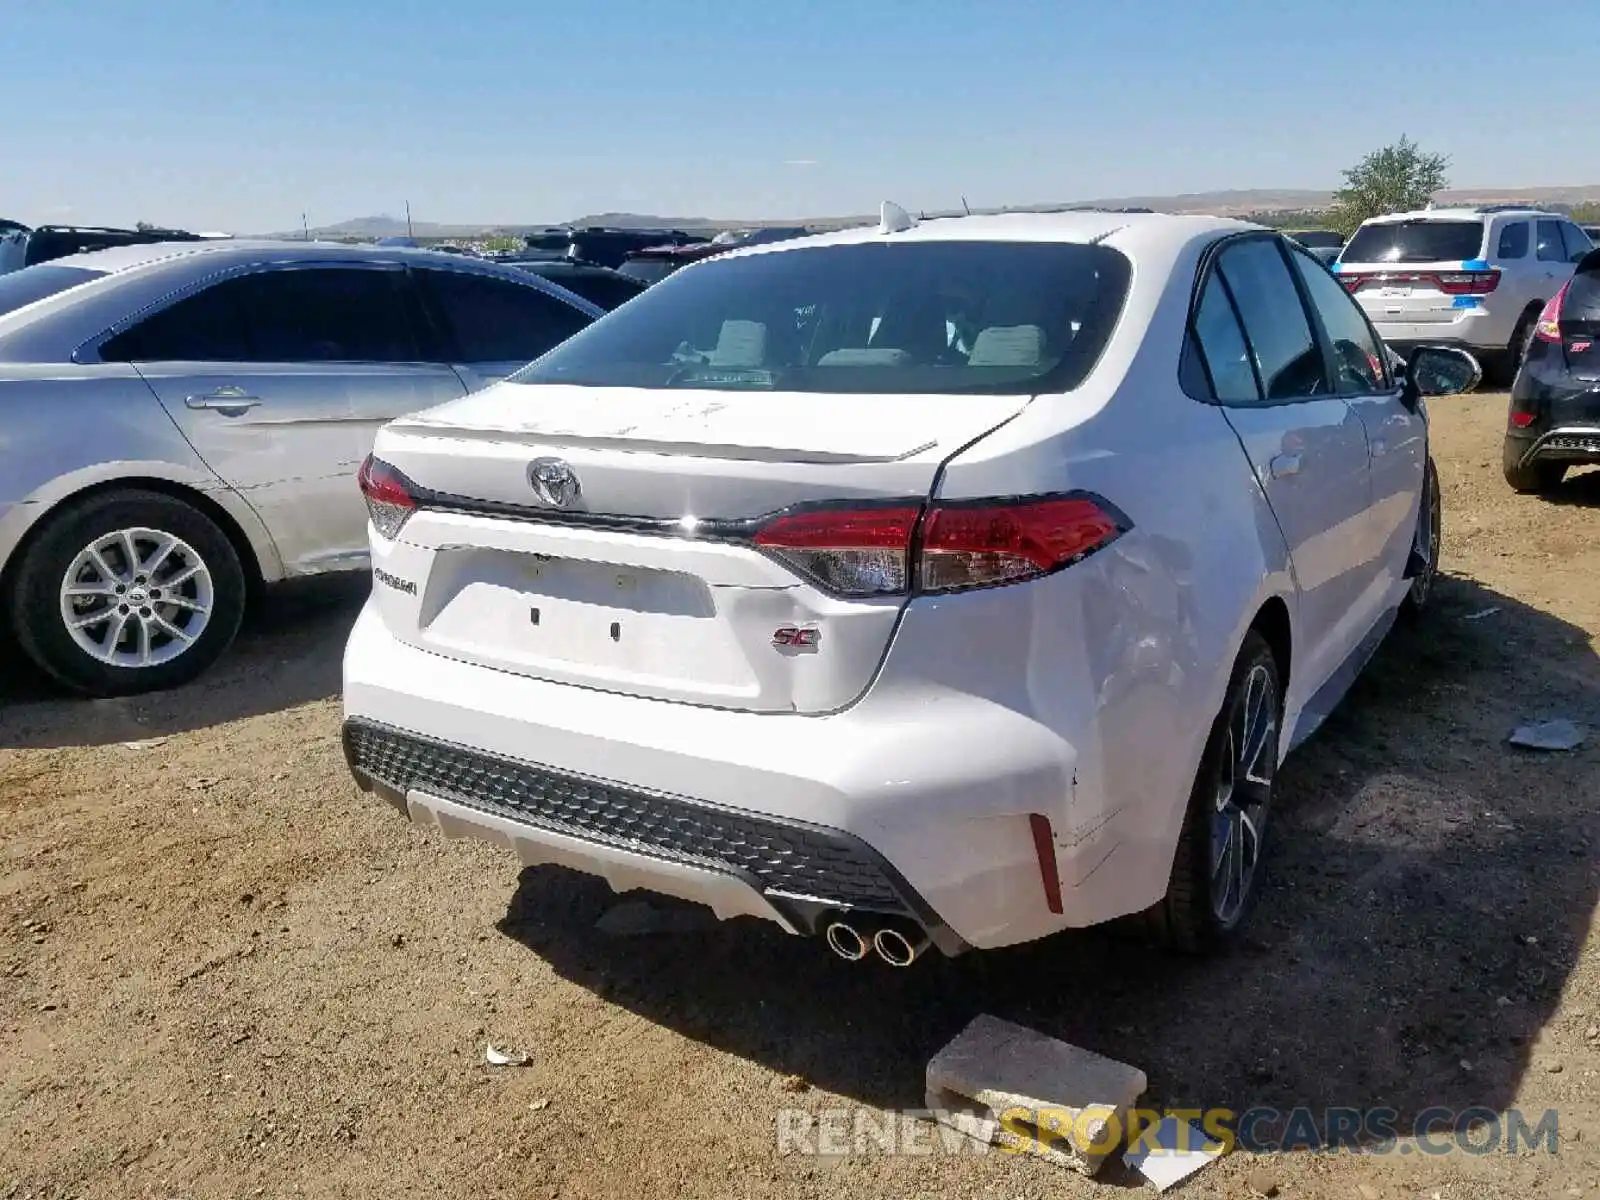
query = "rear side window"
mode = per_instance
[
  {"x": 1415, "y": 242},
  {"x": 493, "y": 321},
  {"x": 935, "y": 317},
  {"x": 306, "y": 315},
  {"x": 1513, "y": 240},
  {"x": 1578, "y": 243},
  {"x": 1286, "y": 355},
  {"x": 1357, "y": 357},
  {"x": 1551, "y": 248},
  {"x": 1222, "y": 346},
  {"x": 32, "y": 284}
]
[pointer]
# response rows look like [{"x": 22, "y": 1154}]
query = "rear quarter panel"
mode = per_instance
[
  {"x": 1135, "y": 664},
  {"x": 67, "y": 428}
]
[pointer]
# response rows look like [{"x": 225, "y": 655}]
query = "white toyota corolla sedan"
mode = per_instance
[{"x": 945, "y": 583}]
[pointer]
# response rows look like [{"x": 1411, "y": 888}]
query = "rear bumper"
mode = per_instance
[
  {"x": 1565, "y": 411},
  {"x": 1574, "y": 444},
  {"x": 736, "y": 863},
  {"x": 915, "y": 802},
  {"x": 1476, "y": 329}
]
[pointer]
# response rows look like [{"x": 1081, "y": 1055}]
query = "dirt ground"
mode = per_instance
[{"x": 225, "y": 972}]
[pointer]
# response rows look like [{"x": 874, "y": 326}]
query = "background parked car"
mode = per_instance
[
  {"x": 29, "y": 247},
  {"x": 1554, "y": 421},
  {"x": 1469, "y": 277},
  {"x": 655, "y": 263},
  {"x": 606, "y": 246},
  {"x": 1324, "y": 244},
  {"x": 221, "y": 396},
  {"x": 597, "y": 284}
]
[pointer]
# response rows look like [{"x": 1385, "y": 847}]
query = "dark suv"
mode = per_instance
[
  {"x": 1554, "y": 421},
  {"x": 603, "y": 245},
  {"x": 57, "y": 241}
]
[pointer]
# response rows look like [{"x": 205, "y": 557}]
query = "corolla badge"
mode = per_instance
[{"x": 554, "y": 482}]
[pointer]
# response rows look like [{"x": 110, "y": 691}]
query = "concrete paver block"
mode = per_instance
[{"x": 1001, "y": 1083}]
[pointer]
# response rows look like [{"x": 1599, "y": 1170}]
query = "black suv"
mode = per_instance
[
  {"x": 57, "y": 241},
  {"x": 602, "y": 245},
  {"x": 1554, "y": 421}
]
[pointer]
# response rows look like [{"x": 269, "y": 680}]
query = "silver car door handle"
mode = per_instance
[
  {"x": 1285, "y": 464},
  {"x": 229, "y": 400},
  {"x": 1379, "y": 447}
]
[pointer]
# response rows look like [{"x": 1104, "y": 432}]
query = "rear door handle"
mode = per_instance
[
  {"x": 1284, "y": 465},
  {"x": 230, "y": 401}
]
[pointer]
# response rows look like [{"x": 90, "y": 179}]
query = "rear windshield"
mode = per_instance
[
  {"x": 1415, "y": 242},
  {"x": 1324, "y": 239},
  {"x": 30, "y": 284},
  {"x": 878, "y": 317},
  {"x": 608, "y": 290},
  {"x": 647, "y": 270},
  {"x": 1582, "y": 301}
]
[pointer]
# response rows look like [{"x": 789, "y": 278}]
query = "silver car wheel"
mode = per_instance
[
  {"x": 136, "y": 598},
  {"x": 1244, "y": 789}
]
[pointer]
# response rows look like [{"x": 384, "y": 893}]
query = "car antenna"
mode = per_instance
[
  {"x": 894, "y": 219},
  {"x": 965, "y": 206}
]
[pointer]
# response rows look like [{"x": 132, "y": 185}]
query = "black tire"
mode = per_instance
[
  {"x": 1188, "y": 919},
  {"x": 1426, "y": 546},
  {"x": 36, "y": 599},
  {"x": 1504, "y": 368},
  {"x": 1530, "y": 479}
]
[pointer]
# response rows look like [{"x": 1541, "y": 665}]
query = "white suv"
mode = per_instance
[{"x": 1468, "y": 277}]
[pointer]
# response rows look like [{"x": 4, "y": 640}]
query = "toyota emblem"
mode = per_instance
[{"x": 554, "y": 482}]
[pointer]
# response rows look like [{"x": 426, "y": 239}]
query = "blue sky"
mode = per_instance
[{"x": 241, "y": 115}]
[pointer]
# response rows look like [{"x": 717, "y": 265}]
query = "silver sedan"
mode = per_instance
[{"x": 181, "y": 422}]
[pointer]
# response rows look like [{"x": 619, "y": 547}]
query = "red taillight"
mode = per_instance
[
  {"x": 388, "y": 495},
  {"x": 1451, "y": 283},
  {"x": 978, "y": 545},
  {"x": 1548, "y": 327},
  {"x": 1468, "y": 283},
  {"x": 875, "y": 551},
  {"x": 854, "y": 552},
  {"x": 1522, "y": 419}
]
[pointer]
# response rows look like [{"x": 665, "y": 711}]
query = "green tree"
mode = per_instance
[
  {"x": 1394, "y": 179},
  {"x": 143, "y": 226},
  {"x": 1587, "y": 213}
]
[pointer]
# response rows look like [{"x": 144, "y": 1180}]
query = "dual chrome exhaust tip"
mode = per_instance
[{"x": 897, "y": 946}]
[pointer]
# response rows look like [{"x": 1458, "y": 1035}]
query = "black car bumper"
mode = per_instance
[{"x": 1555, "y": 415}]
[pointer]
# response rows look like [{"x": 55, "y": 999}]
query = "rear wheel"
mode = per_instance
[
  {"x": 1505, "y": 368},
  {"x": 1426, "y": 545},
  {"x": 1216, "y": 872},
  {"x": 128, "y": 591},
  {"x": 1530, "y": 478}
]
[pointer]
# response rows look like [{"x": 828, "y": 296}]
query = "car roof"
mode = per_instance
[
  {"x": 1132, "y": 232},
  {"x": 1457, "y": 214},
  {"x": 117, "y": 259}
]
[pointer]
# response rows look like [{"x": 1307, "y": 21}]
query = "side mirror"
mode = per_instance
[{"x": 1441, "y": 371}]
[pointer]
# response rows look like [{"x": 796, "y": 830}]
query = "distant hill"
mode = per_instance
[{"x": 1220, "y": 203}]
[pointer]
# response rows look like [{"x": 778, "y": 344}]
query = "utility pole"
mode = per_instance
[
  {"x": 305, "y": 227},
  {"x": 409, "y": 234}
]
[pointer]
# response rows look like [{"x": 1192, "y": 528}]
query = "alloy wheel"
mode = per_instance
[
  {"x": 136, "y": 598},
  {"x": 1244, "y": 790}
]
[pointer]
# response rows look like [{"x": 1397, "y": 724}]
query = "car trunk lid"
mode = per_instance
[{"x": 645, "y": 581}]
